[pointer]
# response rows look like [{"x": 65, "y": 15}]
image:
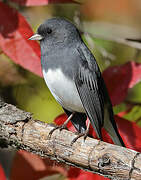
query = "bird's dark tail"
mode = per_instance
[{"x": 111, "y": 128}]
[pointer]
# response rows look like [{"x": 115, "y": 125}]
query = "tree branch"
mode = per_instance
[{"x": 19, "y": 130}]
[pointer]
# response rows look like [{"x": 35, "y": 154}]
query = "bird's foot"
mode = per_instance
[
  {"x": 85, "y": 134},
  {"x": 63, "y": 126},
  {"x": 57, "y": 127}
]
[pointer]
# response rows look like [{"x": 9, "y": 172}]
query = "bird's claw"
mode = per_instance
[
  {"x": 85, "y": 134},
  {"x": 57, "y": 127}
]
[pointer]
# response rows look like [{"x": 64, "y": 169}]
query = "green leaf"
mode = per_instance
[
  {"x": 134, "y": 94},
  {"x": 134, "y": 114},
  {"x": 119, "y": 108}
]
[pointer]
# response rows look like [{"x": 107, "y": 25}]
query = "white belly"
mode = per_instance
[{"x": 63, "y": 90}]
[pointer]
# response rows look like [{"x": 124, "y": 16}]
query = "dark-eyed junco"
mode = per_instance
[{"x": 74, "y": 79}]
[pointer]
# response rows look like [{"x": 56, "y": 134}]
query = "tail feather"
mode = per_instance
[{"x": 111, "y": 128}]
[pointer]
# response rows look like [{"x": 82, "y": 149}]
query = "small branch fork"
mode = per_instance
[{"x": 19, "y": 130}]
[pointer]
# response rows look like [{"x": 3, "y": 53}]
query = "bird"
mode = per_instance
[{"x": 73, "y": 76}]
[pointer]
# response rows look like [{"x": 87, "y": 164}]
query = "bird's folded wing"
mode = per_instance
[{"x": 89, "y": 85}]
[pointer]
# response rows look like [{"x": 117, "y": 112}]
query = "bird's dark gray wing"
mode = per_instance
[{"x": 89, "y": 84}]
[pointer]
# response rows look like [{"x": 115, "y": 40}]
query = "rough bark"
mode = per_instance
[{"x": 19, "y": 130}]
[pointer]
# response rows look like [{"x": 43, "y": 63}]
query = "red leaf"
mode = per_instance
[
  {"x": 2, "y": 175},
  {"x": 119, "y": 78},
  {"x": 14, "y": 34},
  {"x": 41, "y": 2},
  {"x": 78, "y": 174},
  {"x": 130, "y": 133},
  {"x": 34, "y": 166}
]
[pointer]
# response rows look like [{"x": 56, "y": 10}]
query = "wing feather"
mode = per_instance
[{"x": 88, "y": 81}]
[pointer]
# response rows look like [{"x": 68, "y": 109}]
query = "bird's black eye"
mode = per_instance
[{"x": 49, "y": 31}]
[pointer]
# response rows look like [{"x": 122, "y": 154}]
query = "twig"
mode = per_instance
[
  {"x": 130, "y": 38},
  {"x": 19, "y": 130},
  {"x": 136, "y": 45}
]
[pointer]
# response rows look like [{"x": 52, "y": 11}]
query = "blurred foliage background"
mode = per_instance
[{"x": 101, "y": 18}]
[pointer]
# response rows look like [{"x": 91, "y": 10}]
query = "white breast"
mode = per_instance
[{"x": 63, "y": 90}]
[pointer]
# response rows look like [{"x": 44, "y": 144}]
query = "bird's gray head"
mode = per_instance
[{"x": 56, "y": 31}]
